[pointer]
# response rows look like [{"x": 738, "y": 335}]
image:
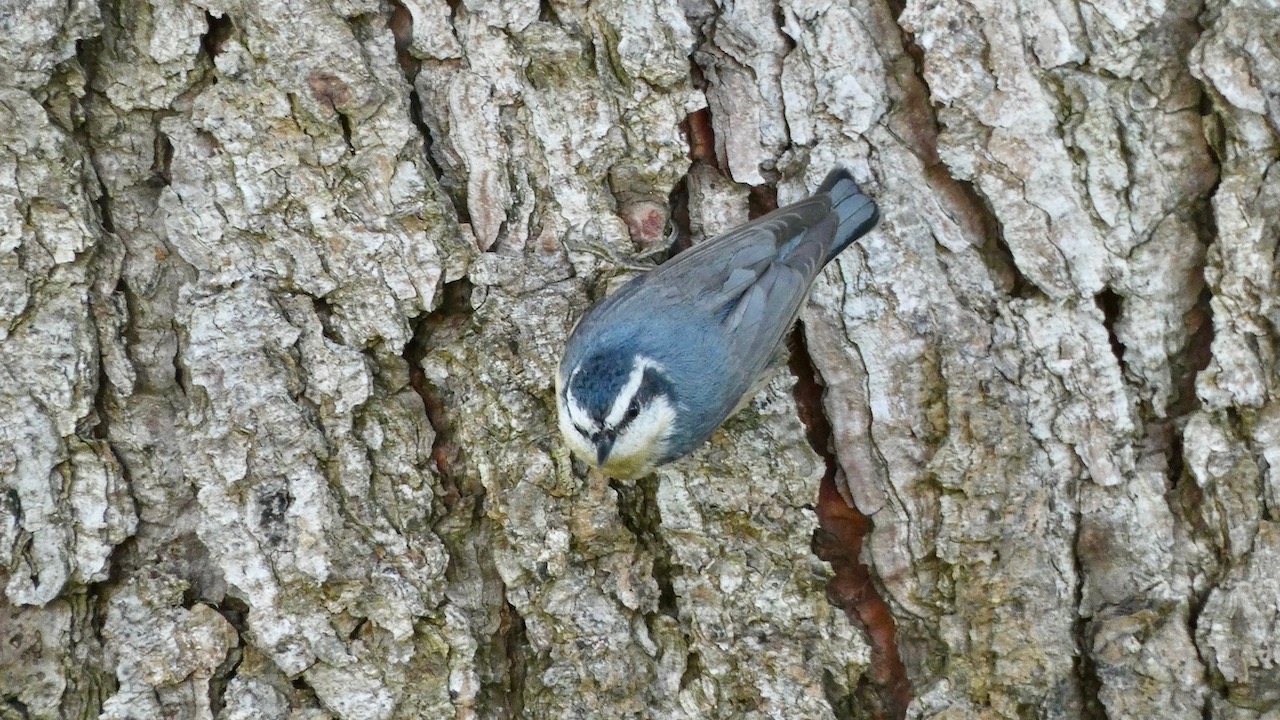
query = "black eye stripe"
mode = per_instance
[{"x": 652, "y": 385}]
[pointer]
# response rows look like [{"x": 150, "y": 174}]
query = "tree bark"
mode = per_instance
[{"x": 283, "y": 286}]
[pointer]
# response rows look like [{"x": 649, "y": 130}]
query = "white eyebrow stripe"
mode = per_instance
[
  {"x": 620, "y": 403},
  {"x": 577, "y": 415}
]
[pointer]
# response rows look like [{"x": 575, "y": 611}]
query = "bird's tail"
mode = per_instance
[{"x": 856, "y": 211}]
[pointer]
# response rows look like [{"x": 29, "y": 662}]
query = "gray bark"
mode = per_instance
[{"x": 282, "y": 287}]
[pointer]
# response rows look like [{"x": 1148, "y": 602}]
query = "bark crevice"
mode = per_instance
[
  {"x": 454, "y": 311},
  {"x": 885, "y": 687}
]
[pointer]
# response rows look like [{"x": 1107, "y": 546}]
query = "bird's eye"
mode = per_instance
[{"x": 633, "y": 409}]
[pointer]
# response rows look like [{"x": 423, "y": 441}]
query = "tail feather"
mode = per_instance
[{"x": 856, "y": 211}]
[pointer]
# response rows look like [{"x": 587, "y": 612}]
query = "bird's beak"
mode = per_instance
[{"x": 603, "y": 447}]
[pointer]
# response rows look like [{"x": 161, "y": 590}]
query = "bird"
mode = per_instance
[{"x": 650, "y": 372}]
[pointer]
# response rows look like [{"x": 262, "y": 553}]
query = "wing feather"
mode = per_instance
[{"x": 753, "y": 280}]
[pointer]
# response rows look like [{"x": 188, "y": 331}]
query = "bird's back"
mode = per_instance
[{"x": 715, "y": 314}]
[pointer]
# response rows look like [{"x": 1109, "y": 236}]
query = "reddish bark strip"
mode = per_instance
[{"x": 839, "y": 542}]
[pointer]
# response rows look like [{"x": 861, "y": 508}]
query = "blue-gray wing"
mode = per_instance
[
  {"x": 751, "y": 281},
  {"x": 768, "y": 266}
]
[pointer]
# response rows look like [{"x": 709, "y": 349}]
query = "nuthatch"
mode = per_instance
[{"x": 651, "y": 371}]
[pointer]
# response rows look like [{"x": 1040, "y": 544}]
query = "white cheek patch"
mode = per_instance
[{"x": 644, "y": 440}]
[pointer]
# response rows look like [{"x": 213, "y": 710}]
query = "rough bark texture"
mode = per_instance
[{"x": 283, "y": 283}]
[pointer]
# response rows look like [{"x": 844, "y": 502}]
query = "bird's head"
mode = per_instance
[{"x": 616, "y": 412}]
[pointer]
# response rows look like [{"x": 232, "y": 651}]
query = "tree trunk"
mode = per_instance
[{"x": 283, "y": 286}]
